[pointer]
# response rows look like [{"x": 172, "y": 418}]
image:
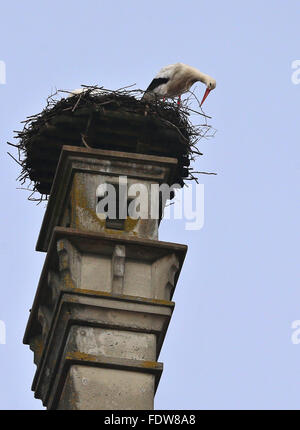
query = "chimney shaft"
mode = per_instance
[{"x": 104, "y": 299}]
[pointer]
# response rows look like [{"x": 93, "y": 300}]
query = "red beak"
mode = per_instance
[{"x": 208, "y": 90}]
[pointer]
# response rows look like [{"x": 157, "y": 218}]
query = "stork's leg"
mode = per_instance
[{"x": 179, "y": 101}]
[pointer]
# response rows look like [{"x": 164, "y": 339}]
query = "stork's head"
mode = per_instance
[{"x": 210, "y": 85}]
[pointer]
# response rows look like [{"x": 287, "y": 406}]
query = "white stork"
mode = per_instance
[{"x": 176, "y": 79}]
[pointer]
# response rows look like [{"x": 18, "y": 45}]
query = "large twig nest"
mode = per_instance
[{"x": 104, "y": 119}]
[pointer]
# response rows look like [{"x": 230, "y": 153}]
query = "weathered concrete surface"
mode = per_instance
[
  {"x": 88, "y": 387},
  {"x": 114, "y": 343},
  {"x": 103, "y": 303},
  {"x": 117, "y": 274},
  {"x": 123, "y": 317},
  {"x": 81, "y": 171}
]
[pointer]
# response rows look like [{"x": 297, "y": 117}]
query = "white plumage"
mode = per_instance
[
  {"x": 176, "y": 79},
  {"x": 82, "y": 90},
  {"x": 77, "y": 91}
]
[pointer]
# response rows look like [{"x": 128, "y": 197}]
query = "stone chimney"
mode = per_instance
[{"x": 104, "y": 299}]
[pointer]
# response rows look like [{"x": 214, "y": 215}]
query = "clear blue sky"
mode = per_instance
[{"x": 229, "y": 342}]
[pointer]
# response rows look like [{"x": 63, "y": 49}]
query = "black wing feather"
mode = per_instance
[{"x": 156, "y": 83}]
